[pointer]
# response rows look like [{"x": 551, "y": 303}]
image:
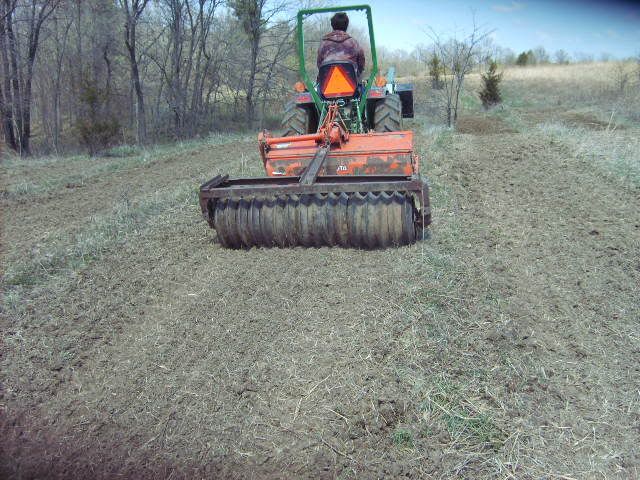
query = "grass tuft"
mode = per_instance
[
  {"x": 402, "y": 438},
  {"x": 448, "y": 403}
]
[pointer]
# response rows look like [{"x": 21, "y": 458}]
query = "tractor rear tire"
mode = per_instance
[
  {"x": 388, "y": 114},
  {"x": 297, "y": 120}
]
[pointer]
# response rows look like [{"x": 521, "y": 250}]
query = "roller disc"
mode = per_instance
[{"x": 356, "y": 220}]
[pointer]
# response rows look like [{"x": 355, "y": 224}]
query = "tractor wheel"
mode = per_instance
[
  {"x": 297, "y": 120},
  {"x": 388, "y": 114}
]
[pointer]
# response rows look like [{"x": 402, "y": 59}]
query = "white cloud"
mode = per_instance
[{"x": 512, "y": 7}]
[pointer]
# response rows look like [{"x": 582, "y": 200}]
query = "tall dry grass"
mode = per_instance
[{"x": 600, "y": 87}]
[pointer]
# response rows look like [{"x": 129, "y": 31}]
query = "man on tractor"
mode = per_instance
[{"x": 338, "y": 45}]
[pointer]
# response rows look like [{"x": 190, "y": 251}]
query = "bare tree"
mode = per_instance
[
  {"x": 254, "y": 15},
  {"x": 250, "y": 14},
  {"x": 60, "y": 38},
  {"x": 562, "y": 57},
  {"x": 457, "y": 56},
  {"x": 279, "y": 47},
  {"x": 133, "y": 10},
  {"x": 186, "y": 62},
  {"x": 7, "y": 8},
  {"x": 541, "y": 55},
  {"x": 21, "y": 60}
]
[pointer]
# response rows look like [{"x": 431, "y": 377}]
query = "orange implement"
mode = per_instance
[{"x": 364, "y": 154}]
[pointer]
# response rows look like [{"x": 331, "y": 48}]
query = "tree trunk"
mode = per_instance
[
  {"x": 141, "y": 115},
  {"x": 249, "y": 112},
  {"x": 25, "y": 136},
  {"x": 56, "y": 99},
  {"x": 7, "y": 122},
  {"x": 15, "y": 91},
  {"x": 130, "y": 42},
  {"x": 6, "y": 102}
]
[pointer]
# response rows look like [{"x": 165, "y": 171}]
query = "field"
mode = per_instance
[{"x": 504, "y": 345}]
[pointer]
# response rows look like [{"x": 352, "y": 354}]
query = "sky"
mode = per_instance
[{"x": 575, "y": 26}]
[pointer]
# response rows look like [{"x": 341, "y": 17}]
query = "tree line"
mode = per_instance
[
  {"x": 105, "y": 71},
  {"x": 94, "y": 73},
  {"x": 416, "y": 61}
]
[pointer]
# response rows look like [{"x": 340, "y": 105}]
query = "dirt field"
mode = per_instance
[{"x": 505, "y": 345}]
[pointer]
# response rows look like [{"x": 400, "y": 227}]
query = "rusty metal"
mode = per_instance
[
  {"x": 223, "y": 187},
  {"x": 315, "y": 203},
  {"x": 363, "y": 154},
  {"x": 332, "y": 132},
  {"x": 358, "y": 220},
  {"x": 310, "y": 174}
]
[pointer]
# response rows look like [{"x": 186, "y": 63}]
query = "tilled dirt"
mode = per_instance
[
  {"x": 482, "y": 125},
  {"x": 504, "y": 345}
]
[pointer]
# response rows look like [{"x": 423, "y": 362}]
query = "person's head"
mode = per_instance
[{"x": 340, "y": 21}]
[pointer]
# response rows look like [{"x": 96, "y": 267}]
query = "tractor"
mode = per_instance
[{"x": 343, "y": 174}]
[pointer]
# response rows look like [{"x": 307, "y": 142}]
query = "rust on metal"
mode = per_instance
[
  {"x": 363, "y": 154},
  {"x": 358, "y": 220},
  {"x": 351, "y": 211},
  {"x": 310, "y": 174}
]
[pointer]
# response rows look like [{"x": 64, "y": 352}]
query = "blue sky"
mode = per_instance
[{"x": 575, "y": 26}]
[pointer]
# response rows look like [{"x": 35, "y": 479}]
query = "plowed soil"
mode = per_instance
[{"x": 503, "y": 345}]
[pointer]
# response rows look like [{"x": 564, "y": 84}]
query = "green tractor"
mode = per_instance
[{"x": 379, "y": 105}]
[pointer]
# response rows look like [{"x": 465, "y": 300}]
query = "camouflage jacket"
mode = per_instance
[{"x": 339, "y": 45}]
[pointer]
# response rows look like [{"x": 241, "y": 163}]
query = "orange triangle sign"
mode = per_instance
[{"x": 338, "y": 84}]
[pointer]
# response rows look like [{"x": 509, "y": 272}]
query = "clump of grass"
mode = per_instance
[
  {"x": 122, "y": 151},
  {"x": 469, "y": 102},
  {"x": 448, "y": 403},
  {"x": 402, "y": 438},
  {"x": 12, "y": 301},
  {"x": 443, "y": 140},
  {"x": 21, "y": 188}
]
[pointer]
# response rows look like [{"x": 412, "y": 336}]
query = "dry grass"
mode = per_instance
[
  {"x": 616, "y": 154},
  {"x": 504, "y": 346},
  {"x": 591, "y": 73},
  {"x": 593, "y": 87}
]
